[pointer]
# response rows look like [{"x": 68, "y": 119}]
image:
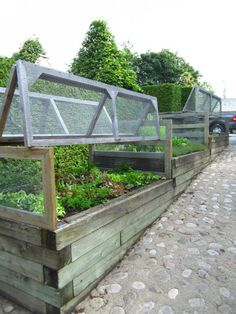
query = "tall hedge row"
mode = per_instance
[{"x": 170, "y": 97}]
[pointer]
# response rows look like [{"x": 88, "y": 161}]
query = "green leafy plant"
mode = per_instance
[{"x": 96, "y": 187}]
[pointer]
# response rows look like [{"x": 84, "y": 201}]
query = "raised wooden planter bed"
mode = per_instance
[
  {"x": 217, "y": 144},
  {"x": 50, "y": 271}
]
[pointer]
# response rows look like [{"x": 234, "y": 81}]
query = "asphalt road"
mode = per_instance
[{"x": 232, "y": 139}]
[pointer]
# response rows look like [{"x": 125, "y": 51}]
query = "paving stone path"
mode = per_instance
[{"x": 185, "y": 263}]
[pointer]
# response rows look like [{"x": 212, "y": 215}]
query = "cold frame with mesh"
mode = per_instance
[{"x": 45, "y": 107}]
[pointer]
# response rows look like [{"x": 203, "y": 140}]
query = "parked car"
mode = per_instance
[{"x": 220, "y": 123}]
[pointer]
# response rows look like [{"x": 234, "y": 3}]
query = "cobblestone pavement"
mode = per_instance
[{"x": 185, "y": 263}]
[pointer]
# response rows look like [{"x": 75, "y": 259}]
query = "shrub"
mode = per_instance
[
  {"x": 168, "y": 96},
  {"x": 71, "y": 160}
]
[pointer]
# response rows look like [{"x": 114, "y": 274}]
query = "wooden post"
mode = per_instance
[
  {"x": 206, "y": 129},
  {"x": 168, "y": 147},
  {"x": 91, "y": 153}
]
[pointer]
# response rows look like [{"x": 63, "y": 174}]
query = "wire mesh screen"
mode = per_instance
[
  {"x": 201, "y": 100},
  {"x": 14, "y": 124},
  {"x": 21, "y": 185},
  {"x": 130, "y": 114},
  {"x": 60, "y": 109},
  {"x": 104, "y": 123},
  {"x": 187, "y": 125}
]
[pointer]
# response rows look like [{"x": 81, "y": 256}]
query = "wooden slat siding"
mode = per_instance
[
  {"x": 22, "y": 266},
  {"x": 145, "y": 164},
  {"x": 219, "y": 144},
  {"x": 189, "y": 175},
  {"x": 78, "y": 298},
  {"x": 92, "y": 240},
  {"x": 101, "y": 215},
  {"x": 148, "y": 155},
  {"x": 189, "y": 126},
  {"x": 36, "y": 289},
  {"x": 181, "y": 114},
  {"x": 71, "y": 271},
  {"x": 182, "y": 160},
  {"x": 188, "y": 166},
  {"x": 20, "y": 231},
  {"x": 150, "y": 217},
  {"x": 33, "y": 304},
  {"x": 143, "y": 222},
  {"x": 31, "y": 252},
  {"x": 217, "y": 150},
  {"x": 101, "y": 268}
]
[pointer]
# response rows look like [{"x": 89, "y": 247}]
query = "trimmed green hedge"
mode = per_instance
[{"x": 170, "y": 97}]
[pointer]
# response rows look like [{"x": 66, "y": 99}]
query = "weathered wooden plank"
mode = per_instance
[
  {"x": 217, "y": 149},
  {"x": 20, "y": 231},
  {"x": 33, "y": 304},
  {"x": 49, "y": 190},
  {"x": 219, "y": 144},
  {"x": 143, "y": 222},
  {"x": 22, "y": 266},
  {"x": 148, "y": 155},
  {"x": 189, "y": 166},
  {"x": 69, "y": 272},
  {"x": 182, "y": 160},
  {"x": 206, "y": 128},
  {"x": 69, "y": 306},
  {"x": 189, "y": 175},
  {"x": 92, "y": 240},
  {"x": 100, "y": 269},
  {"x": 85, "y": 244},
  {"x": 145, "y": 164},
  {"x": 95, "y": 218},
  {"x": 189, "y": 126},
  {"x": 36, "y": 289},
  {"x": 31, "y": 252},
  {"x": 217, "y": 139},
  {"x": 168, "y": 150}
]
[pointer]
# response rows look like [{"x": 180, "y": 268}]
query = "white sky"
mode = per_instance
[{"x": 201, "y": 31}]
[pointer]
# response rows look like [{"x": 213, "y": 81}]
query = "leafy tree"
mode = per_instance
[
  {"x": 100, "y": 59},
  {"x": 5, "y": 67},
  {"x": 30, "y": 51},
  {"x": 163, "y": 67},
  {"x": 187, "y": 79}
]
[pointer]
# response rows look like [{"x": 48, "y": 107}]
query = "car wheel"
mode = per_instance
[{"x": 217, "y": 128}]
